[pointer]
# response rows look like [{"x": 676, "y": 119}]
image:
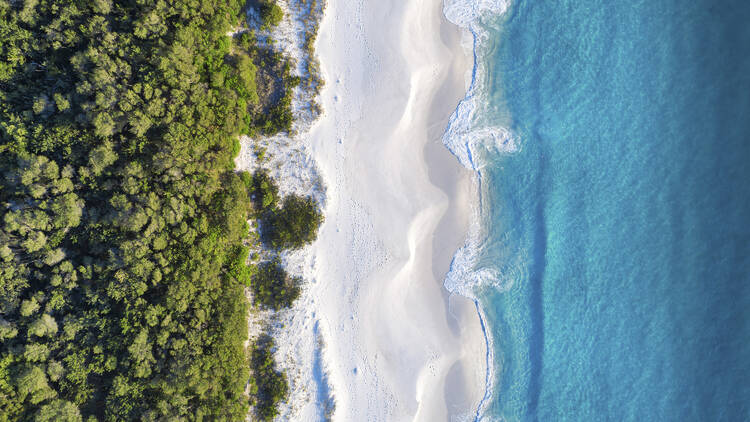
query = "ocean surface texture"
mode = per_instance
[{"x": 619, "y": 229}]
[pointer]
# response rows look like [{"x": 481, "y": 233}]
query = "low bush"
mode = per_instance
[
  {"x": 268, "y": 386},
  {"x": 294, "y": 224},
  {"x": 271, "y": 14},
  {"x": 263, "y": 191},
  {"x": 272, "y": 287}
]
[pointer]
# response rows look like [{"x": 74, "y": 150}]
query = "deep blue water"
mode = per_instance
[{"x": 624, "y": 218}]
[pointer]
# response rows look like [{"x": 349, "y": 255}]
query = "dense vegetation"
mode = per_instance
[
  {"x": 273, "y": 288},
  {"x": 263, "y": 191},
  {"x": 289, "y": 226},
  {"x": 269, "y": 386},
  {"x": 292, "y": 225},
  {"x": 270, "y": 13},
  {"x": 122, "y": 264}
]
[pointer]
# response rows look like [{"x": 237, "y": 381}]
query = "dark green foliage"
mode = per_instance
[
  {"x": 270, "y": 385},
  {"x": 58, "y": 411},
  {"x": 292, "y": 225},
  {"x": 275, "y": 113},
  {"x": 270, "y": 13},
  {"x": 273, "y": 288},
  {"x": 279, "y": 116},
  {"x": 263, "y": 191},
  {"x": 239, "y": 270},
  {"x": 121, "y": 220}
]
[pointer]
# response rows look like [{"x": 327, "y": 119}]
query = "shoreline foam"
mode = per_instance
[{"x": 466, "y": 139}]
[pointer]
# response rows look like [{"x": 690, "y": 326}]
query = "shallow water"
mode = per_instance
[{"x": 622, "y": 223}]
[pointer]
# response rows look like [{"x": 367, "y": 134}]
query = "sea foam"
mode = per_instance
[
  {"x": 468, "y": 141},
  {"x": 462, "y": 137}
]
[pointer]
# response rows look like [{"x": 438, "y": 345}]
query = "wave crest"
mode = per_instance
[
  {"x": 467, "y": 143},
  {"x": 464, "y": 13},
  {"x": 461, "y": 137}
]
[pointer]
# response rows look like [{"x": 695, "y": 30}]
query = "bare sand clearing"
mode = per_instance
[{"x": 398, "y": 347}]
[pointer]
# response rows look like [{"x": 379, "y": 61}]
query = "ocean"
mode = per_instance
[{"x": 611, "y": 255}]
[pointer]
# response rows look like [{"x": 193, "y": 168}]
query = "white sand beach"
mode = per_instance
[{"x": 397, "y": 346}]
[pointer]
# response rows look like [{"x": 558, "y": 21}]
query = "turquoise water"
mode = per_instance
[{"x": 623, "y": 220}]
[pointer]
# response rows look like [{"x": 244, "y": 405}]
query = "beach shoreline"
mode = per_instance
[{"x": 398, "y": 345}]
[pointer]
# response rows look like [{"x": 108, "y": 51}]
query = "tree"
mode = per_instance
[
  {"x": 102, "y": 157},
  {"x": 44, "y": 326},
  {"x": 121, "y": 286},
  {"x": 271, "y": 386},
  {"x": 293, "y": 225},
  {"x": 29, "y": 306},
  {"x": 247, "y": 71},
  {"x": 58, "y": 411},
  {"x": 7, "y": 330},
  {"x": 263, "y": 190},
  {"x": 61, "y": 102},
  {"x": 32, "y": 385},
  {"x": 273, "y": 288},
  {"x": 271, "y": 13},
  {"x": 36, "y": 352},
  {"x": 55, "y": 370}
]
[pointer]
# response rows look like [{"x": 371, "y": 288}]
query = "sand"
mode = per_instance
[{"x": 397, "y": 345}]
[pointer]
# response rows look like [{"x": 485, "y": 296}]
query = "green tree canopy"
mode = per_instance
[{"x": 294, "y": 224}]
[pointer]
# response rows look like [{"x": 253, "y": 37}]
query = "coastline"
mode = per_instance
[
  {"x": 398, "y": 344},
  {"x": 363, "y": 341}
]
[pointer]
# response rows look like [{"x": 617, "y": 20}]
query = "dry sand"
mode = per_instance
[{"x": 398, "y": 347}]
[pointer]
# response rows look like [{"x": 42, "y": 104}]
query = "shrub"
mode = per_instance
[
  {"x": 270, "y": 385},
  {"x": 273, "y": 288},
  {"x": 263, "y": 191},
  {"x": 271, "y": 14},
  {"x": 293, "y": 225},
  {"x": 238, "y": 268}
]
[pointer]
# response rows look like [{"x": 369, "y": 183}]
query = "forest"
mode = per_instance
[{"x": 123, "y": 225}]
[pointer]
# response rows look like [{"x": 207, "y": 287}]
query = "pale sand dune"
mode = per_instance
[{"x": 397, "y": 346}]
